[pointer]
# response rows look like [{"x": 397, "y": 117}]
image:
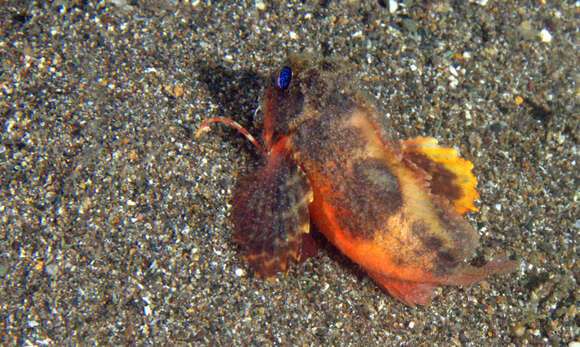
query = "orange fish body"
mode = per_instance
[{"x": 392, "y": 207}]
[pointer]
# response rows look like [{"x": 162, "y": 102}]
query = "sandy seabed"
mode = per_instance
[{"x": 115, "y": 224}]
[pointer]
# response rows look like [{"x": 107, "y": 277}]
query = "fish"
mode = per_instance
[{"x": 394, "y": 207}]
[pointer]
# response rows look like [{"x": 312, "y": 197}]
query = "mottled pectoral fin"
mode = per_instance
[
  {"x": 451, "y": 176},
  {"x": 409, "y": 292},
  {"x": 270, "y": 213}
]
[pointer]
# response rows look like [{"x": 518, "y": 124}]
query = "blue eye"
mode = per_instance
[{"x": 284, "y": 77}]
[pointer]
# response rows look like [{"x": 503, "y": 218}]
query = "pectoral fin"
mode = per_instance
[{"x": 270, "y": 213}]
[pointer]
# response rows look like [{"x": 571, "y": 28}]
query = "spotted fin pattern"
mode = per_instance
[{"x": 450, "y": 175}]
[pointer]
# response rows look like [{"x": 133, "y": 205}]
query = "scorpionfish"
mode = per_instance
[{"x": 393, "y": 207}]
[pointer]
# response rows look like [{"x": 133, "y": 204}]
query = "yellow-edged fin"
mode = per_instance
[{"x": 451, "y": 175}]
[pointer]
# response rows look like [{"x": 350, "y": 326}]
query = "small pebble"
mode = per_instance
[
  {"x": 393, "y": 6},
  {"x": 545, "y": 36},
  {"x": 51, "y": 269},
  {"x": 519, "y": 330},
  {"x": 260, "y": 5},
  {"x": 479, "y": 2}
]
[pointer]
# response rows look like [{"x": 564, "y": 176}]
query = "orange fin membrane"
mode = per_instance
[
  {"x": 409, "y": 292},
  {"x": 270, "y": 213},
  {"x": 450, "y": 175},
  {"x": 420, "y": 293}
]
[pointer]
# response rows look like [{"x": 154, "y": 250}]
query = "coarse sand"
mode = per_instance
[{"x": 115, "y": 221}]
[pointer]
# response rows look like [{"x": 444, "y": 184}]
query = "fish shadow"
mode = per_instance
[{"x": 236, "y": 94}]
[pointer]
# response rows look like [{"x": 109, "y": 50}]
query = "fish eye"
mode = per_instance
[{"x": 284, "y": 77}]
